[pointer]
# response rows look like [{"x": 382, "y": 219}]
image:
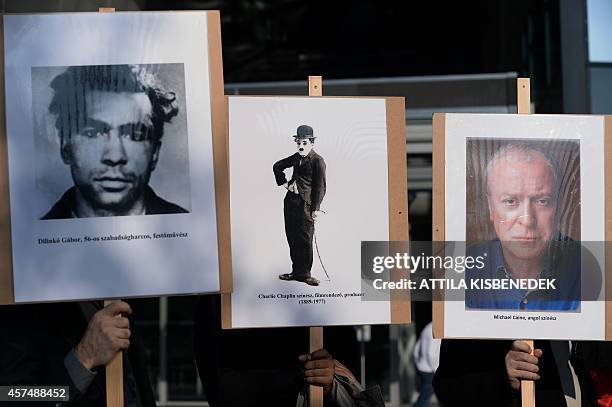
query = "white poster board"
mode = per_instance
[
  {"x": 100, "y": 209},
  {"x": 486, "y": 156},
  {"x": 352, "y": 140}
]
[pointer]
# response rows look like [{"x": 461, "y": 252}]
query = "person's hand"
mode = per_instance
[
  {"x": 108, "y": 332},
  {"x": 319, "y": 369},
  {"x": 316, "y": 214},
  {"x": 291, "y": 187},
  {"x": 521, "y": 364}
]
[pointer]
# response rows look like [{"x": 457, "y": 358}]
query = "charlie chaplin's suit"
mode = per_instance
[{"x": 309, "y": 176}]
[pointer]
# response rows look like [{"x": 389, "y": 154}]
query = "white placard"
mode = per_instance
[
  {"x": 351, "y": 138},
  {"x": 166, "y": 253},
  {"x": 588, "y": 320}
]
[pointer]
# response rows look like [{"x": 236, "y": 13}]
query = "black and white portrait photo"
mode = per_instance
[
  {"x": 302, "y": 203},
  {"x": 112, "y": 132},
  {"x": 111, "y": 125}
]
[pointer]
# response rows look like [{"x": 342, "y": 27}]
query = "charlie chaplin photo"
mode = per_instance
[
  {"x": 109, "y": 121},
  {"x": 302, "y": 204}
]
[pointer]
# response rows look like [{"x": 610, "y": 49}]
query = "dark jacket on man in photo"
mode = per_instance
[
  {"x": 154, "y": 205},
  {"x": 308, "y": 174}
]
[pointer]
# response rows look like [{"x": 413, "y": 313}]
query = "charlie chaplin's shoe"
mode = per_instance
[
  {"x": 310, "y": 281},
  {"x": 294, "y": 277}
]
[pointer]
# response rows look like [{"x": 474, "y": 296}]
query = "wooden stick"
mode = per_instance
[
  {"x": 315, "y": 86},
  {"x": 523, "y": 105},
  {"x": 315, "y": 393},
  {"x": 523, "y": 96},
  {"x": 528, "y": 386},
  {"x": 7, "y": 294},
  {"x": 114, "y": 379}
]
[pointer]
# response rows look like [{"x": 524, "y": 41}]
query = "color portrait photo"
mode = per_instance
[
  {"x": 523, "y": 211},
  {"x": 525, "y": 195}
]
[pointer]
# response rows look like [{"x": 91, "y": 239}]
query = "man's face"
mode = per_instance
[
  {"x": 522, "y": 203},
  {"x": 112, "y": 155},
  {"x": 303, "y": 146}
]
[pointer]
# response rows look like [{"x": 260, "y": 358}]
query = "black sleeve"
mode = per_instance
[
  {"x": 280, "y": 166},
  {"x": 21, "y": 357},
  {"x": 595, "y": 354},
  {"x": 341, "y": 343},
  {"x": 472, "y": 372},
  {"x": 318, "y": 183},
  {"x": 206, "y": 346},
  {"x": 29, "y": 353},
  {"x": 246, "y": 367},
  {"x": 139, "y": 362}
]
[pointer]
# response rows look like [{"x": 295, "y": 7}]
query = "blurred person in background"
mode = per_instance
[{"x": 426, "y": 358}]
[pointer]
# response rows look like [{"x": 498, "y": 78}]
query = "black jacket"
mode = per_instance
[
  {"x": 258, "y": 367},
  {"x": 36, "y": 338},
  {"x": 473, "y": 372},
  {"x": 309, "y": 176},
  {"x": 154, "y": 205}
]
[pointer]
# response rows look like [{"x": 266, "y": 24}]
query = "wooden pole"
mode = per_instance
[
  {"x": 315, "y": 393},
  {"x": 114, "y": 379},
  {"x": 523, "y": 104},
  {"x": 523, "y": 96},
  {"x": 114, "y": 369},
  {"x": 7, "y": 294},
  {"x": 315, "y": 86}
]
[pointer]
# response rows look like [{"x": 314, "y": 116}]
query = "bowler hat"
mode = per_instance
[{"x": 303, "y": 132}]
